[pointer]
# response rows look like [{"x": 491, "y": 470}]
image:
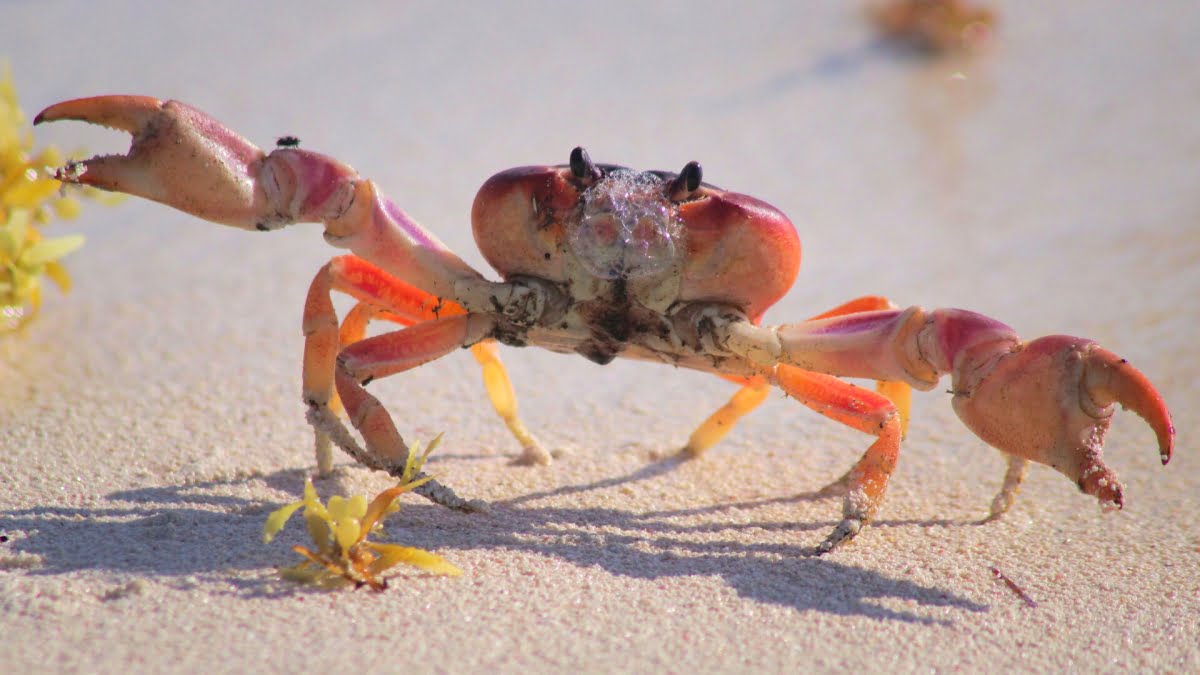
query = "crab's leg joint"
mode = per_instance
[
  {"x": 860, "y": 409},
  {"x": 365, "y": 360}
]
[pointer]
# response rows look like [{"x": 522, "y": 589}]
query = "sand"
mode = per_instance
[{"x": 151, "y": 419}]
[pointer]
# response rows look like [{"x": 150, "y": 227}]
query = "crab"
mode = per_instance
[{"x": 604, "y": 262}]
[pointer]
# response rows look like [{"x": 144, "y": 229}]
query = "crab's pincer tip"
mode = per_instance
[
  {"x": 123, "y": 112},
  {"x": 71, "y": 172},
  {"x": 1166, "y": 442}
]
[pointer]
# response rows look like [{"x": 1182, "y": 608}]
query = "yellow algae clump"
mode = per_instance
[{"x": 339, "y": 530}]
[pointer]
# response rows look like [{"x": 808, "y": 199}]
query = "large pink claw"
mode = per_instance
[
  {"x": 185, "y": 159},
  {"x": 1051, "y": 401},
  {"x": 180, "y": 157}
]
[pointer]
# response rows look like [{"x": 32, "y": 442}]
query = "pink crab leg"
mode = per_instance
[
  {"x": 1014, "y": 475},
  {"x": 1049, "y": 400},
  {"x": 898, "y": 391},
  {"x": 185, "y": 159},
  {"x": 859, "y": 409}
]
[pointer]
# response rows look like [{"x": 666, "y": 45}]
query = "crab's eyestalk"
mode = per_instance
[
  {"x": 687, "y": 182},
  {"x": 583, "y": 168}
]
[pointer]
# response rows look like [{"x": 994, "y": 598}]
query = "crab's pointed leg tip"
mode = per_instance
[{"x": 127, "y": 113}]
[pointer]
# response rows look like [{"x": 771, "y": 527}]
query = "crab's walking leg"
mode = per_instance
[
  {"x": 504, "y": 400},
  {"x": 384, "y": 297},
  {"x": 380, "y": 296},
  {"x": 323, "y": 339},
  {"x": 867, "y": 412},
  {"x": 384, "y": 355},
  {"x": 1013, "y": 477},
  {"x": 423, "y": 342},
  {"x": 898, "y": 391},
  {"x": 755, "y": 390},
  {"x": 354, "y": 327},
  {"x": 495, "y": 377}
]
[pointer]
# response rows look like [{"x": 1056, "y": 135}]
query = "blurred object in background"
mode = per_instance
[
  {"x": 29, "y": 200},
  {"x": 935, "y": 26}
]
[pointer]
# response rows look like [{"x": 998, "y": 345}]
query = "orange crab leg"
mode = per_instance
[
  {"x": 867, "y": 303},
  {"x": 322, "y": 342},
  {"x": 495, "y": 377},
  {"x": 899, "y": 392},
  {"x": 369, "y": 284},
  {"x": 382, "y": 296},
  {"x": 859, "y": 409},
  {"x": 389, "y": 354},
  {"x": 504, "y": 400},
  {"x": 754, "y": 390},
  {"x": 384, "y": 355}
]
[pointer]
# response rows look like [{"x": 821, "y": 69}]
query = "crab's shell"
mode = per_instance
[{"x": 737, "y": 250}]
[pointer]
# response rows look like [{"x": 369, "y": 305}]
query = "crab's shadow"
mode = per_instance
[{"x": 214, "y": 530}]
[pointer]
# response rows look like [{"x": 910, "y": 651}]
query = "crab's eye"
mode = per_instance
[
  {"x": 626, "y": 229},
  {"x": 687, "y": 182},
  {"x": 582, "y": 166}
]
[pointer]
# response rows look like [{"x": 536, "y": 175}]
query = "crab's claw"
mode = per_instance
[
  {"x": 180, "y": 157},
  {"x": 1051, "y": 401}
]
